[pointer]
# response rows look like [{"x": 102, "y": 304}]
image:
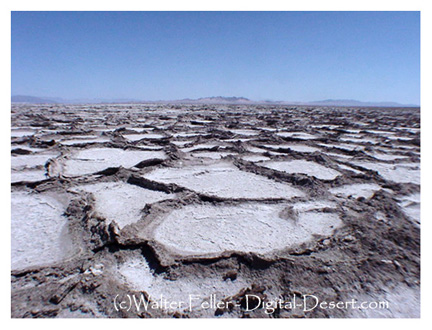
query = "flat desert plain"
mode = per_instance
[{"x": 159, "y": 211}]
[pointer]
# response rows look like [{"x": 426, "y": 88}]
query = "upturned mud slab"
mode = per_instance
[{"x": 303, "y": 167}]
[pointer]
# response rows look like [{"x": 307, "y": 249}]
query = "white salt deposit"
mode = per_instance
[
  {"x": 38, "y": 230},
  {"x": 137, "y": 137},
  {"x": 191, "y": 134},
  {"x": 403, "y": 302},
  {"x": 28, "y": 176},
  {"x": 350, "y": 136},
  {"x": 102, "y": 129},
  {"x": 313, "y": 205},
  {"x": 326, "y": 126},
  {"x": 29, "y": 161},
  {"x": 411, "y": 206},
  {"x": 97, "y": 159},
  {"x": 238, "y": 139},
  {"x": 344, "y": 146},
  {"x": 202, "y": 122},
  {"x": 81, "y": 141},
  {"x": 18, "y": 133},
  {"x": 402, "y": 138},
  {"x": 132, "y": 128},
  {"x": 384, "y": 133},
  {"x": 397, "y": 173},
  {"x": 304, "y": 167},
  {"x": 247, "y": 132},
  {"x": 385, "y": 156},
  {"x": 149, "y": 147},
  {"x": 365, "y": 190},
  {"x": 255, "y": 158},
  {"x": 122, "y": 202},
  {"x": 201, "y": 229},
  {"x": 180, "y": 143},
  {"x": 224, "y": 180},
  {"x": 297, "y": 135},
  {"x": 255, "y": 149},
  {"x": 349, "y": 168},
  {"x": 359, "y": 140},
  {"x": 332, "y": 154},
  {"x": 212, "y": 155},
  {"x": 294, "y": 147},
  {"x": 200, "y": 146},
  {"x": 82, "y": 137},
  {"x": 136, "y": 273},
  {"x": 347, "y": 146},
  {"x": 268, "y": 129},
  {"x": 415, "y": 149}
]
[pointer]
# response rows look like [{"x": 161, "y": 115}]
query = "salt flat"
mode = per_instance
[
  {"x": 224, "y": 180},
  {"x": 297, "y": 135},
  {"x": 31, "y": 161},
  {"x": 136, "y": 273},
  {"x": 356, "y": 190},
  {"x": 36, "y": 242},
  {"x": 208, "y": 200},
  {"x": 294, "y": 147},
  {"x": 129, "y": 200},
  {"x": 93, "y": 160},
  {"x": 250, "y": 228},
  {"x": 397, "y": 173},
  {"x": 28, "y": 175}
]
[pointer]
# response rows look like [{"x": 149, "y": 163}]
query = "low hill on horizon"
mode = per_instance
[
  {"x": 31, "y": 99},
  {"x": 209, "y": 100}
]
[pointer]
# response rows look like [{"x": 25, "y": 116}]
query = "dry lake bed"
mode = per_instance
[{"x": 156, "y": 210}]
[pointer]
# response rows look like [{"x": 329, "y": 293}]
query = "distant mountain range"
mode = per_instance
[
  {"x": 31, "y": 99},
  {"x": 217, "y": 100},
  {"x": 355, "y": 103},
  {"x": 54, "y": 100},
  {"x": 207, "y": 100}
]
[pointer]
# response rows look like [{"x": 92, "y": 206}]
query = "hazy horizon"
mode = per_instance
[{"x": 278, "y": 56}]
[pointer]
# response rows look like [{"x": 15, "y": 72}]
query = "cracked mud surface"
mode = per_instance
[{"x": 217, "y": 202}]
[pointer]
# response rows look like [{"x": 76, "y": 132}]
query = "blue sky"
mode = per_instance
[{"x": 291, "y": 56}]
